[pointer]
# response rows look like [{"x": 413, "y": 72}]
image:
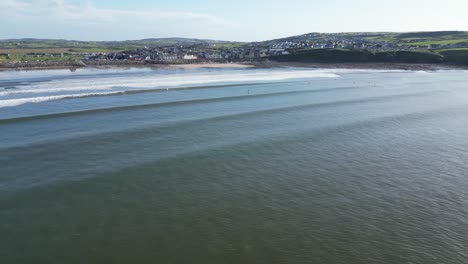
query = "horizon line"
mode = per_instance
[{"x": 239, "y": 41}]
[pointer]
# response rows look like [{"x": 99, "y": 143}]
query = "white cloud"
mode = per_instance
[{"x": 59, "y": 18}]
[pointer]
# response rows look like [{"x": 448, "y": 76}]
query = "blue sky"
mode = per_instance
[{"x": 243, "y": 20}]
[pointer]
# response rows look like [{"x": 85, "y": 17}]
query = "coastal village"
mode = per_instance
[
  {"x": 221, "y": 52},
  {"x": 254, "y": 51}
]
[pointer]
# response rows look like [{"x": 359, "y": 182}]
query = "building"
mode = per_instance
[{"x": 190, "y": 57}]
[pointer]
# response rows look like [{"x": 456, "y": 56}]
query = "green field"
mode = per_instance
[
  {"x": 23, "y": 57},
  {"x": 75, "y": 50},
  {"x": 228, "y": 45},
  {"x": 415, "y": 38},
  {"x": 437, "y": 42},
  {"x": 458, "y": 49},
  {"x": 105, "y": 45}
]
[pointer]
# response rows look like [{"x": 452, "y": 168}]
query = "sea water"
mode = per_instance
[{"x": 283, "y": 165}]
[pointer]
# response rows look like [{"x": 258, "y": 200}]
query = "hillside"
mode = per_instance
[
  {"x": 411, "y": 47},
  {"x": 339, "y": 55},
  {"x": 414, "y": 39},
  {"x": 16, "y": 45}
]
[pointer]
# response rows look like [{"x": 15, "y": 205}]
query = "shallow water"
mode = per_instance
[{"x": 233, "y": 166}]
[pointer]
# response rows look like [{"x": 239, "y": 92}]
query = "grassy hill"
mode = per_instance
[
  {"x": 59, "y": 46},
  {"x": 413, "y": 47},
  {"x": 417, "y": 38},
  {"x": 455, "y": 56},
  {"x": 341, "y": 55},
  {"x": 451, "y": 56},
  {"x": 416, "y": 47}
]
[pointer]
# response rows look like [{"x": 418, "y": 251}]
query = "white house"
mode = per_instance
[{"x": 190, "y": 57}]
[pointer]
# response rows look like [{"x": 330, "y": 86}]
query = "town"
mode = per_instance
[
  {"x": 261, "y": 50},
  {"x": 186, "y": 51}
]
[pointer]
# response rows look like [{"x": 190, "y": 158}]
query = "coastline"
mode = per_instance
[
  {"x": 132, "y": 65},
  {"x": 212, "y": 65},
  {"x": 254, "y": 65},
  {"x": 362, "y": 66}
]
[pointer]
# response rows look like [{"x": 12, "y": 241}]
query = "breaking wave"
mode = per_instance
[
  {"x": 83, "y": 86},
  {"x": 20, "y": 101}
]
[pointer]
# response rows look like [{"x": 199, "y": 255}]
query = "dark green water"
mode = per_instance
[{"x": 331, "y": 167}]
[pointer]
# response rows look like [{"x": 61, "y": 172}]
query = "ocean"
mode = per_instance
[{"x": 282, "y": 165}]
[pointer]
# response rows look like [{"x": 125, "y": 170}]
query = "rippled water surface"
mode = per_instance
[{"x": 234, "y": 166}]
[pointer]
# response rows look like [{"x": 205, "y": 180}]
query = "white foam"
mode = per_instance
[
  {"x": 20, "y": 101},
  {"x": 72, "y": 88},
  {"x": 51, "y": 90}
]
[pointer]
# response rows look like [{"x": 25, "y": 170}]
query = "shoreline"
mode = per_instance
[
  {"x": 130, "y": 66},
  {"x": 254, "y": 65},
  {"x": 363, "y": 66},
  {"x": 212, "y": 66}
]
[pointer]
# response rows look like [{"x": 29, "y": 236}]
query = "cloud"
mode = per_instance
[{"x": 59, "y": 18}]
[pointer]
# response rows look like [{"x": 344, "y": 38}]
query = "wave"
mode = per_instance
[
  {"x": 236, "y": 115},
  {"x": 164, "y": 81},
  {"x": 333, "y": 104},
  {"x": 139, "y": 132},
  {"x": 172, "y": 103},
  {"x": 123, "y": 152},
  {"x": 20, "y": 101},
  {"x": 150, "y": 90}
]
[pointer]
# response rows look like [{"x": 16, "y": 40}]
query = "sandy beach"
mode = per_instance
[
  {"x": 130, "y": 65},
  {"x": 211, "y": 65},
  {"x": 258, "y": 64}
]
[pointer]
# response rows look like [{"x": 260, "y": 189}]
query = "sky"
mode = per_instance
[{"x": 234, "y": 20}]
